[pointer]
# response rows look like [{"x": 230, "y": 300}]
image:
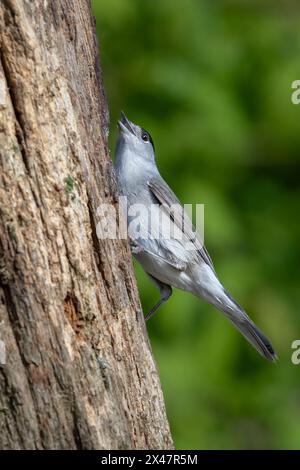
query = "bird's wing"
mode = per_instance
[
  {"x": 138, "y": 248},
  {"x": 171, "y": 204}
]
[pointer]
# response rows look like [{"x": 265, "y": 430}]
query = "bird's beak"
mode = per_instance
[{"x": 124, "y": 123}]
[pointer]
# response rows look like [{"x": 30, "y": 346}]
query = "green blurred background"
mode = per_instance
[{"x": 212, "y": 81}]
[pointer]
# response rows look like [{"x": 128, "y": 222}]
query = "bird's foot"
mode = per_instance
[{"x": 135, "y": 247}]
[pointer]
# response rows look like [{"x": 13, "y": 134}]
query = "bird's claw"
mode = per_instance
[{"x": 135, "y": 247}]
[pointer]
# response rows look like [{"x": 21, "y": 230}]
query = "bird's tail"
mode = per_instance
[
  {"x": 247, "y": 327},
  {"x": 217, "y": 295}
]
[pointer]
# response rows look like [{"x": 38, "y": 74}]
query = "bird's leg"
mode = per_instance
[{"x": 165, "y": 292}]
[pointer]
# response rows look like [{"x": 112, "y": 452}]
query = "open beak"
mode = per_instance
[{"x": 125, "y": 123}]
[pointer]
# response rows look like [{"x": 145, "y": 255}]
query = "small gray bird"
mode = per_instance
[{"x": 165, "y": 258}]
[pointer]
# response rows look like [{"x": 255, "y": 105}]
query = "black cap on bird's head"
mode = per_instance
[{"x": 128, "y": 127}]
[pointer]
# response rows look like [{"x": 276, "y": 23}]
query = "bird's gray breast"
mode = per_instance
[{"x": 162, "y": 252}]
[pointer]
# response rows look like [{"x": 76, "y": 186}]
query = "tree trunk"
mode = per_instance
[{"x": 78, "y": 371}]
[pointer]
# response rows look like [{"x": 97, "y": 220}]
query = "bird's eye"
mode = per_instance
[{"x": 145, "y": 137}]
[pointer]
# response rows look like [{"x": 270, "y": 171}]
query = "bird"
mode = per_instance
[{"x": 162, "y": 247}]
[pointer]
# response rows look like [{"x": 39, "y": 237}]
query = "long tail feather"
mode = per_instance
[
  {"x": 247, "y": 327},
  {"x": 250, "y": 331}
]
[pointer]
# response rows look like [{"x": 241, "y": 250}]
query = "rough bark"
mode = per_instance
[{"x": 79, "y": 371}]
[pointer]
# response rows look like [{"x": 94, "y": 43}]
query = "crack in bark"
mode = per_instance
[
  {"x": 97, "y": 250},
  {"x": 71, "y": 312},
  {"x": 12, "y": 313},
  {"x": 19, "y": 127}
]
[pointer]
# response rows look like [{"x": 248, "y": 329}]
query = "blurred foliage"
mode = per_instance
[{"x": 212, "y": 83}]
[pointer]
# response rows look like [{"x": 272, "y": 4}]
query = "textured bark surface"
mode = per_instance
[{"x": 79, "y": 371}]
